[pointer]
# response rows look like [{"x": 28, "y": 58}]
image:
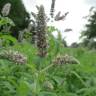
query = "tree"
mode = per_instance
[
  {"x": 74, "y": 45},
  {"x": 18, "y": 14},
  {"x": 90, "y": 31},
  {"x": 89, "y": 34}
]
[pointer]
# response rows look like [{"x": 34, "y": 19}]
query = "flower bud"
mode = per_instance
[{"x": 6, "y": 9}]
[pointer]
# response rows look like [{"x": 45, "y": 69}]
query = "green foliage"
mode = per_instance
[
  {"x": 6, "y": 21},
  {"x": 90, "y": 27},
  {"x": 7, "y": 40},
  {"x": 74, "y": 45},
  {"x": 18, "y": 14},
  {"x": 5, "y": 37},
  {"x": 89, "y": 33},
  {"x": 41, "y": 77}
]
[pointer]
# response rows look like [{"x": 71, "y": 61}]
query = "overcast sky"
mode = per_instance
[{"x": 76, "y": 8}]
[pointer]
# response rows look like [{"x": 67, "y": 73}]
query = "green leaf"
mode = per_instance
[
  {"x": 6, "y": 20},
  {"x": 44, "y": 93},
  {"x": 23, "y": 88}
]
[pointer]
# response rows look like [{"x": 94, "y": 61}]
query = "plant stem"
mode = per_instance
[{"x": 46, "y": 68}]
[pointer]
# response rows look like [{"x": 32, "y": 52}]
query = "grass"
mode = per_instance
[{"x": 65, "y": 80}]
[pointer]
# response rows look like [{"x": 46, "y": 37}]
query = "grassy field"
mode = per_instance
[{"x": 39, "y": 78}]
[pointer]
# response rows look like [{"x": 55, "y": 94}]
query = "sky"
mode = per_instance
[{"x": 77, "y": 10}]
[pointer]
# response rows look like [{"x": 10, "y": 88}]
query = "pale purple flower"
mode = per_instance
[
  {"x": 65, "y": 59},
  {"x": 6, "y": 9},
  {"x": 14, "y": 56}
]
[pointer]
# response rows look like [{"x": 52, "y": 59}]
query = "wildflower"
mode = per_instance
[
  {"x": 14, "y": 56},
  {"x": 62, "y": 17},
  {"x": 66, "y": 59},
  {"x": 6, "y": 9},
  {"x": 48, "y": 85},
  {"x": 29, "y": 27},
  {"x": 52, "y": 8},
  {"x": 41, "y": 33},
  {"x": 20, "y": 36}
]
